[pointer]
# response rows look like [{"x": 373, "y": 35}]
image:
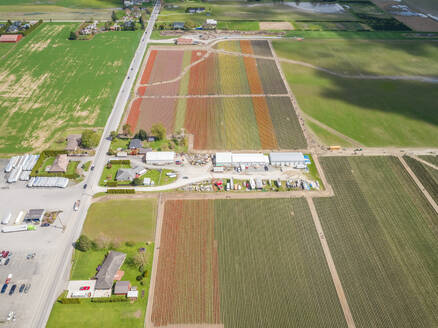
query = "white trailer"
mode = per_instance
[
  {"x": 19, "y": 217},
  {"x": 252, "y": 183},
  {"x": 7, "y": 218},
  {"x": 15, "y": 228}
]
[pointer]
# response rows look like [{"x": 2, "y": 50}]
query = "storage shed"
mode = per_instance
[
  {"x": 160, "y": 157},
  {"x": 292, "y": 159}
]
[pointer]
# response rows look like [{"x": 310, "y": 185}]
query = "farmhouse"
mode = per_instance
[
  {"x": 60, "y": 164},
  {"x": 160, "y": 157},
  {"x": 81, "y": 288},
  {"x": 135, "y": 144},
  {"x": 241, "y": 159},
  {"x": 73, "y": 141},
  {"x": 10, "y": 38},
  {"x": 293, "y": 159},
  {"x": 195, "y": 10},
  {"x": 122, "y": 287},
  {"x": 106, "y": 275}
]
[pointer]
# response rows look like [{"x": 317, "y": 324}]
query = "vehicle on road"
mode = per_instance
[
  {"x": 8, "y": 279},
  {"x": 12, "y": 290},
  {"x": 85, "y": 186},
  {"x": 185, "y": 178},
  {"x": 26, "y": 289},
  {"x": 7, "y": 261},
  {"x": 30, "y": 256},
  {"x": 5, "y": 254},
  {"x": 77, "y": 204},
  {"x": 22, "y": 288},
  {"x": 45, "y": 224},
  {"x": 5, "y": 286},
  {"x": 92, "y": 167}
]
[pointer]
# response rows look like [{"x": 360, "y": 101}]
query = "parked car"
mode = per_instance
[
  {"x": 92, "y": 167},
  {"x": 185, "y": 177},
  {"x": 5, "y": 286},
  {"x": 26, "y": 289},
  {"x": 85, "y": 186},
  {"x": 85, "y": 288},
  {"x": 45, "y": 224},
  {"x": 5, "y": 254},
  {"x": 7, "y": 261},
  {"x": 12, "y": 290},
  {"x": 21, "y": 288}
]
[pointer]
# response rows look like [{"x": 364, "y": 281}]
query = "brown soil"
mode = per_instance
[
  {"x": 154, "y": 111},
  {"x": 167, "y": 66}
]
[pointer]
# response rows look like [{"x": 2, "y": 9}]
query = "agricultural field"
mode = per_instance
[
  {"x": 199, "y": 87},
  {"x": 372, "y": 112},
  {"x": 427, "y": 175},
  {"x": 49, "y": 84},
  {"x": 352, "y": 57},
  {"x": 215, "y": 257},
  {"x": 382, "y": 234},
  {"x": 433, "y": 159}
]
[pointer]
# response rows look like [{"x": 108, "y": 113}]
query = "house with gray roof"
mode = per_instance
[
  {"x": 130, "y": 174},
  {"x": 107, "y": 272}
]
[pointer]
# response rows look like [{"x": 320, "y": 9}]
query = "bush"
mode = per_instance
[
  {"x": 65, "y": 300},
  {"x": 120, "y": 191},
  {"x": 113, "y": 299},
  {"x": 158, "y": 131},
  {"x": 112, "y": 183},
  {"x": 129, "y": 243},
  {"x": 83, "y": 244},
  {"x": 120, "y": 161},
  {"x": 89, "y": 139},
  {"x": 137, "y": 182}
]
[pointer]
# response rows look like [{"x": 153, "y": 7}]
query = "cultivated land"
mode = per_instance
[
  {"x": 225, "y": 100},
  {"x": 243, "y": 263},
  {"x": 49, "y": 84},
  {"x": 382, "y": 233},
  {"x": 115, "y": 219},
  {"x": 372, "y": 112},
  {"x": 427, "y": 175}
]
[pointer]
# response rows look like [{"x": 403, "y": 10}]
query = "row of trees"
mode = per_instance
[{"x": 157, "y": 130}]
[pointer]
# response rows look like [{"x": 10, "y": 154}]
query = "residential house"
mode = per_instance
[
  {"x": 178, "y": 25},
  {"x": 135, "y": 144},
  {"x": 107, "y": 272},
  {"x": 129, "y": 174},
  {"x": 195, "y": 10},
  {"x": 60, "y": 164},
  {"x": 73, "y": 142}
]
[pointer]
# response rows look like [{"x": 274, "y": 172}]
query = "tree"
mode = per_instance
[
  {"x": 72, "y": 36},
  {"x": 126, "y": 129},
  {"x": 137, "y": 182},
  {"x": 83, "y": 243},
  {"x": 158, "y": 131},
  {"x": 189, "y": 24},
  {"x": 141, "y": 134},
  {"x": 114, "y": 16},
  {"x": 140, "y": 259},
  {"x": 89, "y": 139},
  {"x": 113, "y": 134}
]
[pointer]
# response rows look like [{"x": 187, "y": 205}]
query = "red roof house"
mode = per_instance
[{"x": 10, "y": 38}]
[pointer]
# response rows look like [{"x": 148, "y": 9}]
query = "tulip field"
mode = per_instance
[
  {"x": 243, "y": 263},
  {"x": 226, "y": 101},
  {"x": 383, "y": 235}
]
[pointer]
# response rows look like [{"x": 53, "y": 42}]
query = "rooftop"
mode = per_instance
[{"x": 107, "y": 272}]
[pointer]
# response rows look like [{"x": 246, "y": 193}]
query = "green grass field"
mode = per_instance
[
  {"x": 49, "y": 84},
  {"x": 365, "y": 57},
  {"x": 326, "y": 137},
  {"x": 122, "y": 220},
  {"x": 427, "y": 175},
  {"x": 430, "y": 158},
  {"x": 372, "y": 112},
  {"x": 65, "y": 3},
  {"x": 270, "y": 265},
  {"x": 382, "y": 234}
]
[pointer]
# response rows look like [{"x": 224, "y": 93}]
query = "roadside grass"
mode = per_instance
[
  {"x": 86, "y": 166},
  {"x": 117, "y": 143},
  {"x": 70, "y": 87},
  {"x": 326, "y": 137},
  {"x": 373, "y": 112},
  {"x": 97, "y": 4},
  {"x": 365, "y": 35},
  {"x": 122, "y": 220},
  {"x": 353, "y": 56},
  {"x": 382, "y": 234},
  {"x": 157, "y": 36},
  {"x": 239, "y": 25},
  {"x": 158, "y": 176},
  {"x": 313, "y": 172}
]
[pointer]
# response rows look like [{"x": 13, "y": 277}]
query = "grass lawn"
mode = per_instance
[
  {"x": 327, "y": 137},
  {"x": 383, "y": 236},
  {"x": 122, "y": 220},
  {"x": 54, "y": 84},
  {"x": 67, "y": 3},
  {"x": 381, "y": 35},
  {"x": 109, "y": 174},
  {"x": 238, "y": 25},
  {"x": 353, "y": 56},
  {"x": 117, "y": 143},
  {"x": 372, "y": 112},
  {"x": 313, "y": 172},
  {"x": 159, "y": 177},
  {"x": 86, "y": 166}
]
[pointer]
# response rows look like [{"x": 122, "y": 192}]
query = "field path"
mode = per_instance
[
  {"x": 424, "y": 162},
  {"x": 419, "y": 184},
  {"x": 160, "y": 213},
  {"x": 331, "y": 265}
]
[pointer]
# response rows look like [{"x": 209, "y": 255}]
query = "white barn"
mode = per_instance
[
  {"x": 293, "y": 159},
  {"x": 245, "y": 159},
  {"x": 160, "y": 157}
]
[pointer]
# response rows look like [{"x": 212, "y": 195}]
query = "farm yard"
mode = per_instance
[
  {"x": 49, "y": 84},
  {"x": 226, "y": 101},
  {"x": 215, "y": 257},
  {"x": 382, "y": 234}
]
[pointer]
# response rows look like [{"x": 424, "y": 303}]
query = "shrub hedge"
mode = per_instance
[
  {"x": 113, "y": 299},
  {"x": 65, "y": 300},
  {"x": 120, "y": 191},
  {"x": 120, "y": 161}
]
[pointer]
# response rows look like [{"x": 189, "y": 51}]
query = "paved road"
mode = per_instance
[{"x": 57, "y": 275}]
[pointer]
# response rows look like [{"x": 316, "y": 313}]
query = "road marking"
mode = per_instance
[{"x": 331, "y": 264}]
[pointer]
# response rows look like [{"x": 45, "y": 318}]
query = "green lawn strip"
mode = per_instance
[
  {"x": 375, "y": 113},
  {"x": 427, "y": 175},
  {"x": 44, "y": 59},
  {"x": 86, "y": 166},
  {"x": 433, "y": 159},
  {"x": 240, "y": 126},
  {"x": 286, "y": 126},
  {"x": 117, "y": 143},
  {"x": 326, "y": 137},
  {"x": 157, "y": 36},
  {"x": 122, "y": 220},
  {"x": 272, "y": 270},
  {"x": 72, "y": 167},
  {"x": 382, "y": 236},
  {"x": 313, "y": 172},
  {"x": 238, "y": 25},
  {"x": 86, "y": 4},
  {"x": 109, "y": 174},
  {"x": 158, "y": 176},
  {"x": 352, "y": 56},
  {"x": 364, "y": 35}
]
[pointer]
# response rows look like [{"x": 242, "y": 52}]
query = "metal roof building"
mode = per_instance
[
  {"x": 160, "y": 157},
  {"x": 293, "y": 159},
  {"x": 247, "y": 159}
]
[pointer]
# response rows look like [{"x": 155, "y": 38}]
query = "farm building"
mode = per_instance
[
  {"x": 73, "y": 141},
  {"x": 210, "y": 24},
  {"x": 81, "y": 288},
  {"x": 60, "y": 164},
  {"x": 293, "y": 159},
  {"x": 160, "y": 157},
  {"x": 34, "y": 215},
  {"x": 241, "y": 159},
  {"x": 135, "y": 144},
  {"x": 10, "y": 38},
  {"x": 122, "y": 287},
  {"x": 106, "y": 275}
]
